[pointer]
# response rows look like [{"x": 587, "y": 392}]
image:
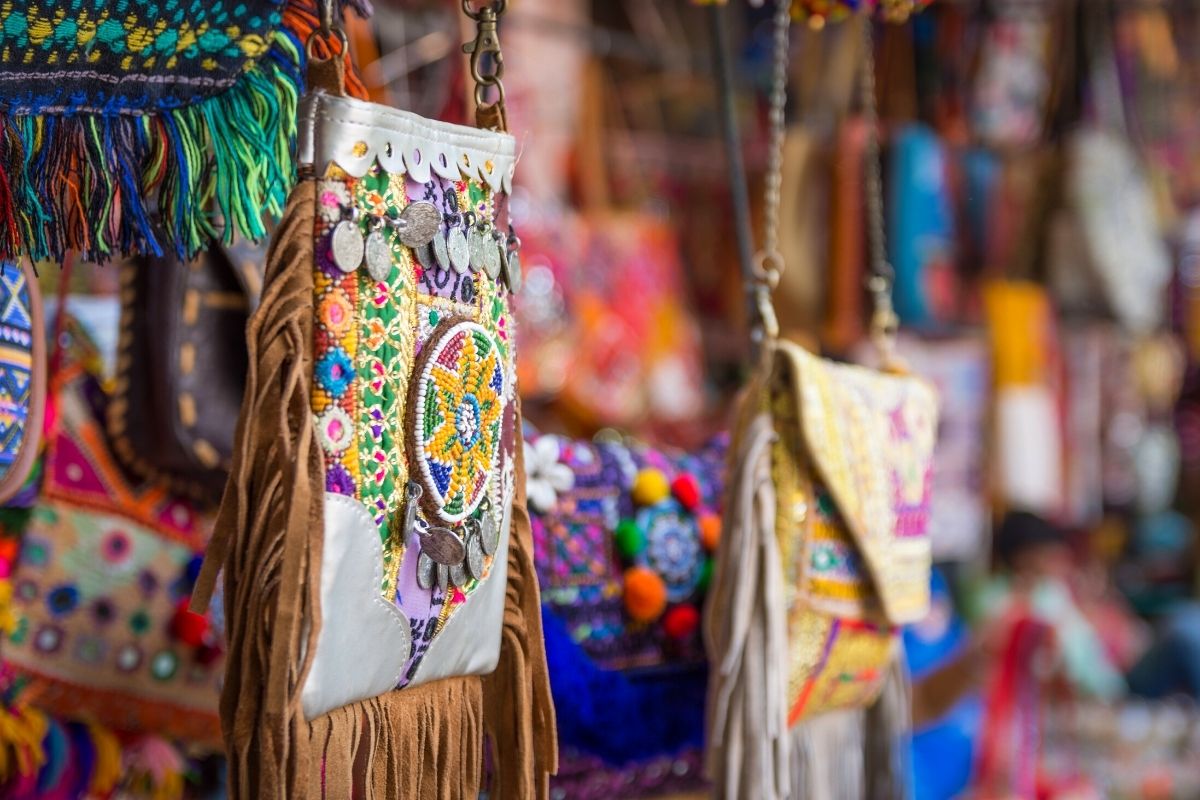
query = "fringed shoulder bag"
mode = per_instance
[
  {"x": 824, "y": 550},
  {"x": 382, "y": 607}
]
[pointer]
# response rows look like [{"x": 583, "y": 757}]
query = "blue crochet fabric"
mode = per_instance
[{"x": 622, "y": 716}]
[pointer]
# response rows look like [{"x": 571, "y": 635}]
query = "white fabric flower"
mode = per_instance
[
  {"x": 545, "y": 476},
  {"x": 332, "y": 199}
]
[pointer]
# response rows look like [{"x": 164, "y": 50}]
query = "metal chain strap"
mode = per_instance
[
  {"x": 768, "y": 262},
  {"x": 884, "y": 321}
]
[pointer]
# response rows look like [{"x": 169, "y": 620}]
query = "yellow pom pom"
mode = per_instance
[{"x": 650, "y": 487}]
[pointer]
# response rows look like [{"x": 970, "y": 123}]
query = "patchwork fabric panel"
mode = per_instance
[
  {"x": 414, "y": 388},
  {"x": 838, "y": 663},
  {"x": 99, "y": 627},
  {"x": 622, "y": 538},
  {"x": 16, "y": 363}
]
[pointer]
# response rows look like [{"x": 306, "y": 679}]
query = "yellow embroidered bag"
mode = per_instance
[{"x": 824, "y": 549}]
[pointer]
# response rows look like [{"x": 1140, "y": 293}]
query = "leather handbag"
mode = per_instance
[
  {"x": 181, "y": 365},
  {"x": 380, "y": 593},
  {"x": 22, "y": 376}
]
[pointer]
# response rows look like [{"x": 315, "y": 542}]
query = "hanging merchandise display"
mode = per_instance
[
  {"x": 382, "y": 603},
  {"x": 181, "y": 365},
  {"x": 825, "y": 550},
  {"x": 146, "y": 128},
  {"x": 97, "y": 632},
  {"x": 22, "y": 378}
]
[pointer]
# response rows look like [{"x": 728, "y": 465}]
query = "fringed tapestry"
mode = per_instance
[
  {"x": 100, "y": 654},
  {"x": 623, "y": 536},
  {"x": 383, "y": 608},
  {"x": 150, "y": 127}
]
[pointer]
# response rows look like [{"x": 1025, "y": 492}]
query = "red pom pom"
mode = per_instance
[
  {"x": 686, "y": 489},
  {"x": 191, "y": 629},
  {"x": 681, "y": 621}
]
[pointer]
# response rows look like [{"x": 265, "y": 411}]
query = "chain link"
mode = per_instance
[
  {"x": 884, "y": 322},
  {"x": 768, "y": 262},
  {"x": 876, "y": 232}
]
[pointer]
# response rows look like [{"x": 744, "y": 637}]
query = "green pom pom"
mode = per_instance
[
  {"x": 630, "y": 539},
  {"x": 706, "y": 571}
]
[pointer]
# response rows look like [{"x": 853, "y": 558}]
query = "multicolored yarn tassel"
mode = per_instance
[{"x": 152, "y": 176}]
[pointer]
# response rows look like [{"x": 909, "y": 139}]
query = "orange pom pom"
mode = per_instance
[
  {"x": 645, "y": 594},
  {"x": 710, "y": 531}
]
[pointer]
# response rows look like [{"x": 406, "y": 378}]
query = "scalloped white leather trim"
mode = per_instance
[{"x": 353, "y": 133}]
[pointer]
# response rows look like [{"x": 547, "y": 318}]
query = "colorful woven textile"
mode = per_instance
[
  {"x": 145, "y": 126},
  {"x": 598, "y": 527},
  {"x": 97, "y": 629}
]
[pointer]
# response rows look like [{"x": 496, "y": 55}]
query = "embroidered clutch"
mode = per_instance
[
  {"x": 852, "y": 466},
  {"x": 99, "y": 631}
]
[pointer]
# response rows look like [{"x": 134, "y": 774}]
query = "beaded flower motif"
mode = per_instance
[{"x": 459, "y": 406}]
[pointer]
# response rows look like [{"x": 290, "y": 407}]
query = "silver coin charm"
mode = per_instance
[
  {"x": 443, "y": 546},
  {"x": 458, "y": 575},
  {"x": 443, "y": 577},
  {"x": 460, "y": 252},
  {"x": 491, "y": 255},
  {"x": 441, "y": 252},
  {"x": 379, "y": 256},
  {"x": 512, "y": 272},
  {"x": 477, "y": 243},
  {"x": 417, "y": 224},
  {"x": 426, "y": 571},
  {"x": 489, "y": 533},
  {"x": 424, "y": 254},
  {"x": 474, "y": 559},
  {"x": 347, "y": 246}
]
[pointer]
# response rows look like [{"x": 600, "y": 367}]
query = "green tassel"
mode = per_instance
[{"x": 154, "y": 183}]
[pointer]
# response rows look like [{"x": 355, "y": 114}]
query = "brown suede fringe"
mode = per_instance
[
  {"x": 424, "y": 743},
  {"x": 519, "y": 710}
]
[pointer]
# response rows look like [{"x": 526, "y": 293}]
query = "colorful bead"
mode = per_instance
[
  {"x": 706, "y": 573},
  {"x": 631, "y": 541},
  {"x": 645, "y": 594},
  {"x": 650, "y": 487},
  {"x": 686, "y": 489}
]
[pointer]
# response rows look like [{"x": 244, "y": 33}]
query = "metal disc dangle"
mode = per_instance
[{"x": 347, "y": 246}]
